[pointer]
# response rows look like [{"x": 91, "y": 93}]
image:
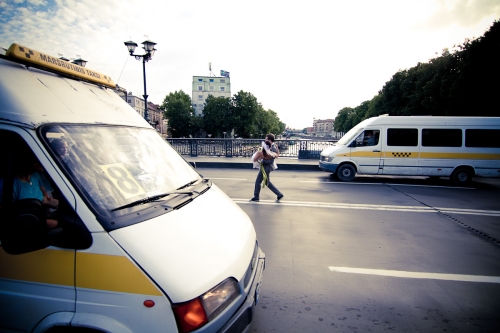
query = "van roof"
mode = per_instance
[
  {"x": 32, "y": 97},
  {"x": 431, "y": 120}
]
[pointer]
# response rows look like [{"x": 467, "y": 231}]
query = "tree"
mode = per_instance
[
  {"x": 462, "y": 82},
  {"x": 217, "y": 115},
  {"x": 245, "y": 110},
  {"x": 178, "y": 110},
  {"x": 341, "y": 124}
]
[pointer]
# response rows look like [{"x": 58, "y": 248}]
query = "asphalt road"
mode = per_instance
[{"x": 378, "y": 254}]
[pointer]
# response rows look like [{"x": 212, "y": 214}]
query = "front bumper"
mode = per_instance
[
  {"x": 240, "y": 321},
  {"x": 328, "y": 167}
]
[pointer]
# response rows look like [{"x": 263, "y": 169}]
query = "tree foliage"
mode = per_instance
[
  {"x": 217, "y": 115},
  {"x": 241, "y": 113},
  {"x": 461, "y": 82},
  {"x": 177, "y": 108}
]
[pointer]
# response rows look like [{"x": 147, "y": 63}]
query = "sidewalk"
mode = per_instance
[{"x": 284, "y": 163}]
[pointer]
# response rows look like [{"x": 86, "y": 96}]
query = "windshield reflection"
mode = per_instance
[
  {"x": 349, "y": 136},
  {"x": 114, "y": 166}
]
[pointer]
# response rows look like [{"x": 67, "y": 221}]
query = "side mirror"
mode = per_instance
[{"x": 23, "y": 227}]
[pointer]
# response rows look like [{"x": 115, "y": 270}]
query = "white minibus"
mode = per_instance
[
  {"x": 104, "y": 227},
  {"x": 455, "y": 147}
]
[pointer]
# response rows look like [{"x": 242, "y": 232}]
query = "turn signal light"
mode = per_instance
[{"x": 190, "y": 316}]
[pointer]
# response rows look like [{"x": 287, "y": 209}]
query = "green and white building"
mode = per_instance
[{"x": 208, "y": 85}]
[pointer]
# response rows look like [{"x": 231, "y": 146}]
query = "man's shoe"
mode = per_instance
[
  {"x": 279, "y": 198},
  {"x": 254, "y": 199}
]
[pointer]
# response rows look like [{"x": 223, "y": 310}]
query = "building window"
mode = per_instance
[
  {"x": 200, "y": 97},
  {"x": 441, "y": 137},
  {"x": 211, "y": 80},
  {"x": 130, "y": 101},
  {"x": 402, "y": 137},
  {"x": 222, "y": 80},
  {"x": 200, "y": 88},
  {"x": 222, "y": 88},
  {"x": 200, "y": 80},
  {"x": 212, "y": 88}
]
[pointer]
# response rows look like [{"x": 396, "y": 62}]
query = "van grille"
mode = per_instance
[{"x": 252, "y": 265}]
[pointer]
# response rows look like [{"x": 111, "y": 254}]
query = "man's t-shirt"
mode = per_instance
[{"x": 27, "y": 190}]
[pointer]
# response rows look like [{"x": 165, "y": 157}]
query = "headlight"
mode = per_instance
[
  {"x": 326, "y": 158},
  {"x": 199, "y": 311},
  {"x": 218, "y": 298}
]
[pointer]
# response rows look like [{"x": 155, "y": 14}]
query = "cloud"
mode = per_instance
[{"x": 465, "y": 13}]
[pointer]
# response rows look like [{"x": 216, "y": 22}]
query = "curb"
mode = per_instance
[{"x": 237, "y": 165}]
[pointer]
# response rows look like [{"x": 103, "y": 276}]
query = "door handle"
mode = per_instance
[{"x": 376, "y": 151}]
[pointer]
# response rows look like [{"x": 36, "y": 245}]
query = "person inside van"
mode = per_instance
[
  {"x": 30, "y": 183},
  {"x": 371, "y": 138},
  {"x": 61, "y": 147}
]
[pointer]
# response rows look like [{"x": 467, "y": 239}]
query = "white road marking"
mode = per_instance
[
  {"x": 413, "y": 209},
  {"x": 227, "y": 178},
  {"x": 417, "y": 275},
  {"x": 386, "y": 184}
]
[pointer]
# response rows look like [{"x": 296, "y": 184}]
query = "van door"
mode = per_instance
[
  {"x": 366, "y": 151},
  {"x": 401, "y": 151},
  {"x": 35, "y": 280}
]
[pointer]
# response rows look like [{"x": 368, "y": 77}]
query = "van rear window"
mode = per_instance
[
  {"x": 482, "y": 138},
  {"x": 402, "y": 137},
  {"x": 437, "y": 137}
]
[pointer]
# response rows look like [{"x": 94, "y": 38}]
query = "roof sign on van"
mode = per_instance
[{"x": 40, "y": 60}]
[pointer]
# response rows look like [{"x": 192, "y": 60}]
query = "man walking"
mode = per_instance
[{"x": 266, "y": 167}]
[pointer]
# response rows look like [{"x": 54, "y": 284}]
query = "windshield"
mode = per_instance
[
  {"x": 113, "y": 166},
  {"x": 349, "y": 136}
]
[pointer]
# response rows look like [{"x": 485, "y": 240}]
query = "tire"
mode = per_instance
[
  {"x": 346, "y": 172},
  {"x": 461, "y": 176}
]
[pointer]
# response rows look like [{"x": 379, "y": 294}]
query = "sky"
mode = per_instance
[{"x": 301, "y": 59}]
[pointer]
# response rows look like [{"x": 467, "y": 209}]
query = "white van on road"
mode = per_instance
[
  {"x": 455, "y": 147},
  {"x": 104, "y": 227}
]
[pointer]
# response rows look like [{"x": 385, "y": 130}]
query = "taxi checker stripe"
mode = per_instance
[
  {"x": 28, "y": 54},
  {"x": 401, "y": 154},
  {"x": 94, "y": 271}
]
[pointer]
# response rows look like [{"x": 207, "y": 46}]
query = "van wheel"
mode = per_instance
[
  {"x": 346, "y": 172},
  {"x": 462, "y": 176}
]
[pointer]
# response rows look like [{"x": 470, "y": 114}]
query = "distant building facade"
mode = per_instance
[
  {"x": 156, "y": 118},
  {"x": 203, "y": 86},
  {"x": 155, "y": 115},
  {"x": 323, "y": 127},
  {"x": 137, "y": 103}
]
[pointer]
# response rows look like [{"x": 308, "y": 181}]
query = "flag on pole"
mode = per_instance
[{"x": 224, "y": 73}]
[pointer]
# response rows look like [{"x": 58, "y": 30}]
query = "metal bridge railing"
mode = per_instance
[{"x": 302, "y": 149}]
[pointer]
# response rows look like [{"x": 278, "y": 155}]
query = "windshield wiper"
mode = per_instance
[
  {"x": 189, "y": 184},
  {"x": 143, "y": 201},
  {"x": 159, "y": 196}
]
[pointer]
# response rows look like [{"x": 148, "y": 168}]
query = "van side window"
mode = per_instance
[
  {"x": 402, "y": 137},
  {"x": 437, "y": 137},
  {"x": 482, "y": 138},
  {"x": 27, "y": 187}
]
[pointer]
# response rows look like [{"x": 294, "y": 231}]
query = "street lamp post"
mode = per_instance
[{"x": 149, "y": 47}]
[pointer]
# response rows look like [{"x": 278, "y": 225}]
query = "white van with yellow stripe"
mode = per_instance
[
  {"x": 455, "y": 147},
  {"x": 127, "y": 236}
]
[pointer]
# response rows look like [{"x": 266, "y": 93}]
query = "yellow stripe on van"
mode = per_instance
[
  {"x": 42, "y": 266},
  {"x": 364, "y": 154},
  {"x": 465, "y": 156},
  {"x": 113, "y": 273},
  {"x": 27, "y": 55}
]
